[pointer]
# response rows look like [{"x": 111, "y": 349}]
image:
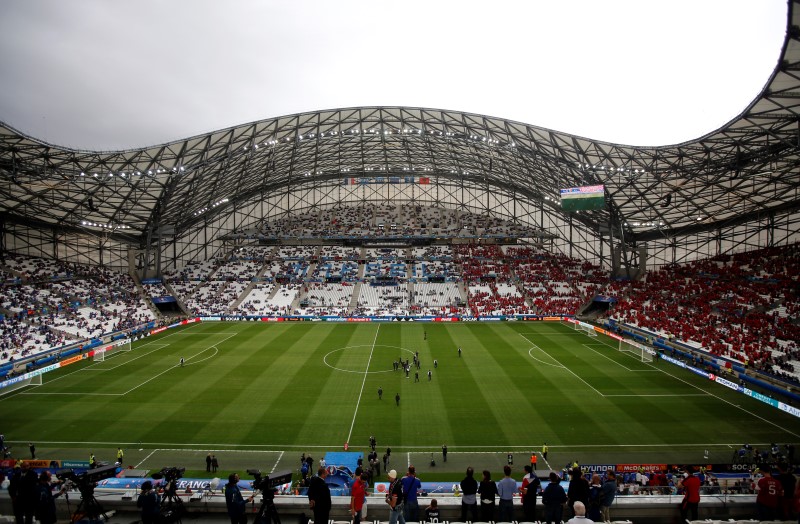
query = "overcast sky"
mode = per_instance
[{"x": 104, "y": 74}]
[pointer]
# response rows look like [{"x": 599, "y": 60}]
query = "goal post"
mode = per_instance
[
  {"x": 639, "y": 351},
  {"x": 15, "y": 384},
  {"x": 583, "y": 327},
  {"x": 100, "y": 354},
  {"x": 569, "y": 322}
]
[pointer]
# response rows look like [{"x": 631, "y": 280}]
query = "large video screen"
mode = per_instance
[{"x": 583, "y": 198}]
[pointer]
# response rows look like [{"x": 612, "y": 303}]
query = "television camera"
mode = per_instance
[
  {"x": 87, "y": 478},
  {"x": 171, "y": 504},
  {"x": 270, "y": 482},
  {"x": 268, "y": 485},
  {"x": 85, "y": 483}
]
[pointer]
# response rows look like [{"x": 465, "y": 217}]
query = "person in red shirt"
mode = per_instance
[
  {"x": 769, "y": 496},
  {"x": 357, "y": 496},
  {"x": 691, "y": 495}
]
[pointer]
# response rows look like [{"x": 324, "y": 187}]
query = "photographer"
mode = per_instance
[
  {"x": 45, "y": 500},
  {"x": 149, "y": 502}
]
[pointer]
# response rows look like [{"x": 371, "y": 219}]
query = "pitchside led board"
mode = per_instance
[{"x": 583, "y": 198}]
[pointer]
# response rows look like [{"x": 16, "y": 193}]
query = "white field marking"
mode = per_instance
[
  {"x": 66, "y": 393},
  {"x": 90, "y": 367},
  {"x": 553, "y": 333},
  {"x": 620, "y": 364},
  {"x": 325, "y": 358},
  {"x": 556, "y": 365},
  {"x": 570, "y": 371},
  {"x": 97, "y": 365},
  {"x": 186, "y": 332},
  {"x": 544, "y": 459},
  {"x": 87, "y": 368},
  {"x": 216, "y": 350},
  {"x": 171, "y": 368},
  {"x": 709, "y": 393},
  {"x": 427, "y": 449},
  {"x": 534, "y": 346},
  {"x": 147, "y": 457},
  {"x": 363, "y": 381},
  {"x": 664, "y": 395},
  {"x": 277, "y": 461},
  {"x": 556, "y": 333}
]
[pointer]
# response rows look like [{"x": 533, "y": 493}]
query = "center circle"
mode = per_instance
[{"x": 356, "y": 358}]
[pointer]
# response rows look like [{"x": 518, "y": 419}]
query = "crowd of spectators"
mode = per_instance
[
  {"x": 47, "y": 304},
  {"x": 436, "y": 269},
  {"x": 338, "y": 253},
  {"x": 326, "y": 298},
  {"x": 384, "y": 300},
  {"x": 740, "y": 306},
  {"x": 436, "y": 298},
  {"x": 388, "y": 221},
  {"x": 257, "y": 301},
  {"x": 338, "y": 270},
  {"x": 433, "y": 252}
]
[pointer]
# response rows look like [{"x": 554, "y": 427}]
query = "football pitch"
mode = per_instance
[{"x": 259, "y": 394}]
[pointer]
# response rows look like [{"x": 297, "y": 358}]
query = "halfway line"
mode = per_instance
[{"x": 366, "y": 373}]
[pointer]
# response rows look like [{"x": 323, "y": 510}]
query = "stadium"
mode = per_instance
[{"x": 247, "y": 293}]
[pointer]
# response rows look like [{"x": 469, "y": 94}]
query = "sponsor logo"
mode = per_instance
[
  {"x": 74, "y": 463},
  {"x": 725, "y": 382},
  {"x": 789, "y": 409},
  {"x": 72, "y": 360},
  {"x": 630, "y": 468},
  {"x": 599, "y": 468},
  {"x": 742, "y": 467}
]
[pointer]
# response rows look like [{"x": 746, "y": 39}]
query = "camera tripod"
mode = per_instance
[
  {"x": 88, "y": 508},
  {"x": 268, "y": 512},
  {"x": 172, "y": 508}
]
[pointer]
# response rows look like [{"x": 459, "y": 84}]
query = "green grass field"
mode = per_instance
[{"x": 260, "y": 394}]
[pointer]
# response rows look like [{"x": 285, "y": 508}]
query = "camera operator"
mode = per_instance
[
  {"x": 46, "y": 501},
  {"x": 237, "y": 506},
  {"x": 149, "y": 502}
]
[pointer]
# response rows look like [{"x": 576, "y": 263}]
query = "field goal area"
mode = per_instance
[
  {"x": 112, "y": 349},
  {"x": 640, "y": 351}
]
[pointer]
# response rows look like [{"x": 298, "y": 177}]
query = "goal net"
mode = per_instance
[
  {"x": 110, "y": 350},
  {"x": 10, "y": 386},
  {"x": 585, "y": 328},
  {"x": 639, "y": 351},
  {"x": 567, "y": 322}
]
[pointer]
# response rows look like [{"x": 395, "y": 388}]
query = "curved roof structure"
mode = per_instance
[{"x": 745, "y": 175}]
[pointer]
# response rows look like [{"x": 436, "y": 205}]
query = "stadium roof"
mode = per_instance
[{"x": 745, "y": 171}]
